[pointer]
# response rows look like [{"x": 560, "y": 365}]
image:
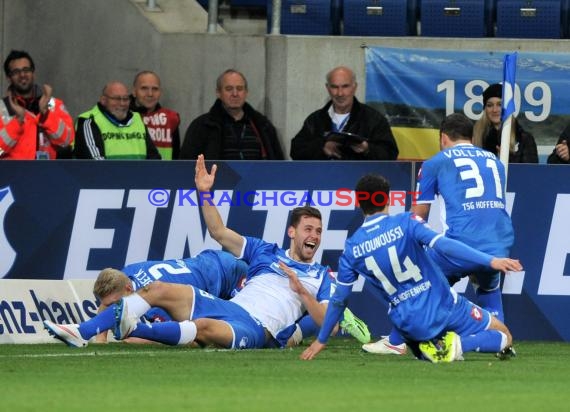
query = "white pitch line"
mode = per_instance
[{"x": 83, "y": 354}]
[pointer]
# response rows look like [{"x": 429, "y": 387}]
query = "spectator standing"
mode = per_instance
[
  {"x": 111, "y": 131},
  {"x": 487, "y": 130},
  {"x": 33, "y": 124},
  {"x": 344, "y": 113},
  {"x": 162, "y": 123},
  {"x": 232, "y": 129}
]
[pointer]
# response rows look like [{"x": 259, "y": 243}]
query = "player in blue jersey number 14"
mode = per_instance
[{"x": 389, "y": 251}]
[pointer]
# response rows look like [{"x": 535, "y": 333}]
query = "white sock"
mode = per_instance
[
  {"x": 297, "y": 336},
  {"x": 188, "y": 332},
  {"x": 503, "y": 340},
  {"x": 136, "y": 305}
]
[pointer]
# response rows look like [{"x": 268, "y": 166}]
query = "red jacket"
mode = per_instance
[{"x": 37, "y": 133}]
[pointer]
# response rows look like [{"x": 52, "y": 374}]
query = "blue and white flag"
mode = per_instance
[{"x": 508, "y": 100}]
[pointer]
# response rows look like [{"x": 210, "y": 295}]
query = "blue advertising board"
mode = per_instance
[{"x": 70, "y": 219}]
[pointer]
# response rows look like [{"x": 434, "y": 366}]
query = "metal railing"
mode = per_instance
[{"x": 151, "y": 5}]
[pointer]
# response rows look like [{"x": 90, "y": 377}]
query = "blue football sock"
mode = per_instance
[
  {"x": 395, "y": 338},
  {"x": 308, "y": 326},
  {"x": 162, "y": 332},
  {"x": 488, "y": 341},
  {"x": 492, "y": 301},
  {"x": 100, "y": 323}
]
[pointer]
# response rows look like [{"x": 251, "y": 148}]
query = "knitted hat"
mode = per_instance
[{"x": 494, "y": 90}]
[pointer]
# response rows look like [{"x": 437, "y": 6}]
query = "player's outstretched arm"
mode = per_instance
[
  {"x": 457, "y": 249},
  {"x": 506, "y": 264},
  {"x": 229, "y": 239}
]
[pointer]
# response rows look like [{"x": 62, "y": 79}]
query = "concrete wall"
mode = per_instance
[{"x": 79, "y": 45}]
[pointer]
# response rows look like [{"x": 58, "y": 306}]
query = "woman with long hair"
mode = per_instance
[{"x": 487, "y": 130}]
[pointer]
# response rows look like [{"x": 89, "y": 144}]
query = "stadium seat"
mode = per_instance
[
  {"x": 248, "y": 3},
  {"x": 203, "y": 3},
  {"x": 565, "y": 18},
  {"x": 453, "y": 18},
  {"x": 491, "y": 16},
  {"x": 379, "y": 17},
  {"x": 538, "y": 19},
  {"x": 308, "y": 17}
]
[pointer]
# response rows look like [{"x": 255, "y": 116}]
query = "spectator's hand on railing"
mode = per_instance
[{"x": 562, "y": 150}]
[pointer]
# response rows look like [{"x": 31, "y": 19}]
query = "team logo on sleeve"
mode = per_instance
[
  {"x": 476, "y": 313},
  {"x": 418, "y": 218}
]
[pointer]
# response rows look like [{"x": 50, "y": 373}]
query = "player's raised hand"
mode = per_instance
[
  {"x": 506, "y": 264},
  {"x": 204, "y": 180}
]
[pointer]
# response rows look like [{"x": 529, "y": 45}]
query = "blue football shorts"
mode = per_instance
[
  {"x": 467, "y": 318},
  {"x": 248, "y": 332}
]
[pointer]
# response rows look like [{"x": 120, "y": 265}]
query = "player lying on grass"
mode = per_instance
[
  {"x": 214, "y": 271},
  {"x": 389, "y": 251},
  {"x": 262, "y": 314},
  {"x": 218, "y": 272}
]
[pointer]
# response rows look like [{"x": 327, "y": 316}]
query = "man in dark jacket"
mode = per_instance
[
  {"x": 232, "y": 129},
  {"x": 345, "y": 114},
  {"x": 561, "y": 154}
]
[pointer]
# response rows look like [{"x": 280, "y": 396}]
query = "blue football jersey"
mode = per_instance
[
  {"x": 214, "y": 271},
  {"x": 471, "y": 182},
  {"x": 389, "y": 252}
]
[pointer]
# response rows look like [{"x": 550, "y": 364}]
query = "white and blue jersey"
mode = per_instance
[
  {"x": 389, "y": 251},
  {"x": 266, "y": 294},
  {"x": 471, "y": 184}
]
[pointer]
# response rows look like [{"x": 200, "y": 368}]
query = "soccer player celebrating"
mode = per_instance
[
  {"x": 436, "y": 322},
  {"x": 282, "y": 285},
  {"x": 470, "y": 183}
]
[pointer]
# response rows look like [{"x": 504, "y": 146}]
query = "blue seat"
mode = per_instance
[
  {"x": 379, "y": 17},
  {"x": 308, "y": 17},
  {"x": 490, "y": 16},
  {"x": 248, "y": 3},
  {"x": 539, "y": 19},
  {"x": 449, "y": 18},
  {"x": 565, "y": 18}
]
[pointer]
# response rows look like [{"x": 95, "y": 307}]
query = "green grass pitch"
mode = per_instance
[{"x": 127, "y": 377}]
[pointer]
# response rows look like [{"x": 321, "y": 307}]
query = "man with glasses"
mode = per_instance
[
  {"x": 33, "y": 124},
  {"x": 110, "y": 130}
]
